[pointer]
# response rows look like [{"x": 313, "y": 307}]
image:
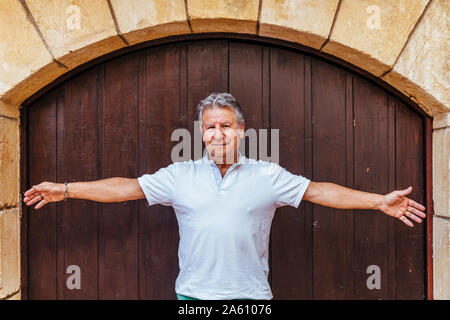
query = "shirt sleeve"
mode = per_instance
[
  {"x": 159, "y": 186},
  {"x": 288, "y": 188}
]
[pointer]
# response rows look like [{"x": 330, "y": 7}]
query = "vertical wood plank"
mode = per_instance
[
  {"x": 332, "y": 268},
  {"x": 61, "y": 275},
  {"x": 291, "y": 267},
  {"x": 42, "y": 267},
  {"x": 350, "y": 177},
  {"x": 77, "y": 161},
  {"x": 118, "y": 154},
  {"x": 410, "y": 172},
  {"x": 183, "y": 80},
  {"x": 246, "y": 86},
  {"x": 265, "y": 99},
  {"x": 142, "y": 203},
  {"x": 24, "y": 185},
  {"x": 309, "y": 166},
  {"x": 390, "y": 227},
  {"x": 159, "y": 237},
  {"x": 371, "y": 175},
  {"x": 429, "y": 205}
]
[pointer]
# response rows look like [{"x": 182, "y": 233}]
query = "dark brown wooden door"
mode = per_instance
[{"x": 116, "y": 119}]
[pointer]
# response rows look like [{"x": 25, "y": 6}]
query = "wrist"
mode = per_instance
[
  {"x": 378, "y": 202},
  {"x": 66, "y": 191}
]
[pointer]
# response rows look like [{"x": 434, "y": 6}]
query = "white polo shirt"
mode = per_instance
[{"x": 224, "y": 230}]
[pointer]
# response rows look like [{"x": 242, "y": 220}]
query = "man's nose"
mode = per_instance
[{"x": 218, "y": 133}]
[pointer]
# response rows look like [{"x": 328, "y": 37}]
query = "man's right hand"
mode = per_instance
[{"x": 44, "y": 193}]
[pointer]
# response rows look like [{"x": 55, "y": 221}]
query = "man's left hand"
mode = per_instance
[{"x": 397, "y": 205}]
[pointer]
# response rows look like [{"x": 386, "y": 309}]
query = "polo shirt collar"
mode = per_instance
[{"x": 241, "y": 159}]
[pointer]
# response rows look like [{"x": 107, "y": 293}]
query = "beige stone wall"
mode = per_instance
[
  {"x": 403, "y": 42},
  {"x": 421, "y": 71},
  {"x": 382, "y": 29},
  {"x": 441, "y": 202},
  {"x": 297, "y": 21},
  {"x": 223, "y": 15},
  {"x": 441, "y": 258},
  {"x": 10, "y": 253}
]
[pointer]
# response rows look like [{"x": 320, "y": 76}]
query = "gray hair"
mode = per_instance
[{"x": 221, "y": 100}]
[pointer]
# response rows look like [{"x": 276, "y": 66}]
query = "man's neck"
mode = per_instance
[{"x": 223, "y": 166}]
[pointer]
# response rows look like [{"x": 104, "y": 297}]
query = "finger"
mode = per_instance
[
  {"x": 41, "y": 204},
  {"x": 31, "y": 196},
  {"x": 412, "y": 216},
  {"x": 406, "y": 221},
  {"x": 30, "y": 191},
  {"x": 406, "y": 191},
  {"x": 412, "y": 203},
  {"x": 34, "y": 200},
  {"x": 33, "y": 192},
  {"x": 416, "y": 212}
]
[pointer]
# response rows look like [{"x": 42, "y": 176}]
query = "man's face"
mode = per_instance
[{"x": 221, "y": 134}]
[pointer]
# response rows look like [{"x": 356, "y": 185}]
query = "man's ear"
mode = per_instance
[{"x": 241, "y": 133}]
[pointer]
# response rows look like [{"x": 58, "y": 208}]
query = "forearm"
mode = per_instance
[
  {"x": 105, "y": 190},
  {"x": 340, "y": 197}
]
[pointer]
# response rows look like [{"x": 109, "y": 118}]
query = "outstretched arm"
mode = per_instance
[
  {"x": 106, "y": 190},
  {"x": 394, "y": 204}
]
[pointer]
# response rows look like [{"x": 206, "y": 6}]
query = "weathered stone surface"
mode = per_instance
[
  {"x": 423, "y": 67},
  {"x": 441, "y": 258},
  {"x": 144, "y": 20},
  {"x": 22, "y": 52},
  {"x": 15, "y": 296},
  {"x": 9, "y": 162},
  {"x": 9, "y": 252},
  {"x": 223, "y": 16},
  {"x": 441, "y": 120},
  {"x": 306, "y": 22},
  {"x": 9, "y": 110},
  {"x": 32, "y": 83},
  {"x": 76, "y": 30},
  {"x": 441, "y": 172},
  {"x": 371, "y": 33}
]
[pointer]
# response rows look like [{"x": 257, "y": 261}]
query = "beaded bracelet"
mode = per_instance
[{"x": 67, "y": 187}]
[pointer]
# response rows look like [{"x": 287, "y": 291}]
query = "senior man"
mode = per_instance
[{"x": 224, "y": 204}]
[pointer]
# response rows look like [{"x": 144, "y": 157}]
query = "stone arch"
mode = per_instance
[
  {"x": 402, "y": 43},
  {"x": 46, "y": 40}
]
